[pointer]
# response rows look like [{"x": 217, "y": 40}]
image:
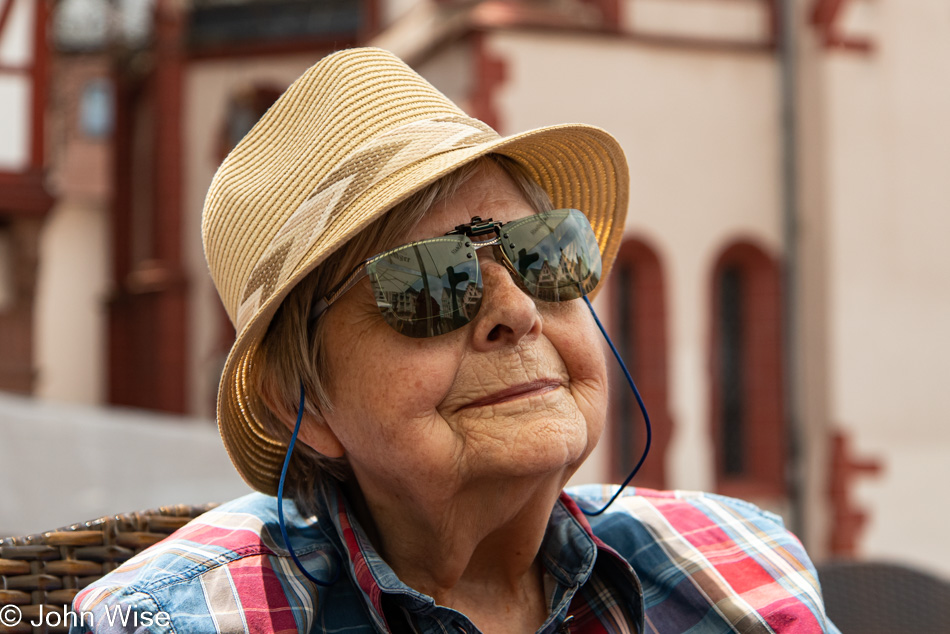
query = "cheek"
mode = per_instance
[
  {"x": 414, "y": 383},
  {"x": 382, "y": 383},
  {"x": 385, "y": 412},
  {"x": 580, "y": 345}
]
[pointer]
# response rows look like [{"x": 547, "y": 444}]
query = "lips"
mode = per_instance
[{"x": 518, "y": 391}]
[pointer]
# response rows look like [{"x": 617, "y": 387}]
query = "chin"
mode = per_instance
[{"x": 561, "y": 461}]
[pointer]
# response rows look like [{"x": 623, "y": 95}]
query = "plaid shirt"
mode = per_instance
[{"x": 703, "y": 563}]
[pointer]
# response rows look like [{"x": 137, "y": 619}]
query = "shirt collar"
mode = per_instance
[{"x": 569, "y": 552}]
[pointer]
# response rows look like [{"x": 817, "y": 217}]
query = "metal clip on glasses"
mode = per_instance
[{"x": 477, "y": 227}]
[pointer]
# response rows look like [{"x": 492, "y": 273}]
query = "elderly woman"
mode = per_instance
[{"x": 415, "y": 351}]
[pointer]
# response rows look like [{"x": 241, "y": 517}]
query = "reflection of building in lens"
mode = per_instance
[
  {"x": 568, "y": 271},
  {"x": 425, "y": 304},
  {"x": 408, "y": 304},
  {"x": 471, "y": 299},
  {"x": 400, "y": 303},
  {"x": 570, "y": 264},
  {"x": 466, "y": 301},
  {"x": 545, "y": 276}
]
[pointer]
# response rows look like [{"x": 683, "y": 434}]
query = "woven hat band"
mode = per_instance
[{"x": 363, "y": 169}]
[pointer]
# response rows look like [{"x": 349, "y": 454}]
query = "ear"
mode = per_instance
[
  {"x": 317, "y": 434},
  {"x": 314, "y": 430}
]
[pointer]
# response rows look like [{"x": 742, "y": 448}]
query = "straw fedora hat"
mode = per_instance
[{"x": 356, "y": 134}]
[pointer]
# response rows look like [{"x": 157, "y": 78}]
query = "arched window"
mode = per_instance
[
  {"x": 746, "y": 367},
  {"x": 638, "y": 329},
  {"x": 244, "y": 109}
]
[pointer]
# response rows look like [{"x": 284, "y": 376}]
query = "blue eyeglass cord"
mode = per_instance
[
  {"x": 300, "y": 408},
  {"x": 280, "y": 501},
  {"x": 643, "y": 410}
]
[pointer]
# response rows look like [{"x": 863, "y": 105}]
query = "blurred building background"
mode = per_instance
[{"x": 779, "y": 296}]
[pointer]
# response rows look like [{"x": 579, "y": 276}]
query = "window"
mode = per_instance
[
  {"x": 638, "y": 329},
  {"x": 746, "y": 365},
  {"x": 244, "y": 109},
  {"x": 96, "y": 109}
]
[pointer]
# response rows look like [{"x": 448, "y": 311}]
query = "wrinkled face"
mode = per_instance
[{"x": 519, "y": 391}]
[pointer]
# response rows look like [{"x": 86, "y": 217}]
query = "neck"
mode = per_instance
[{"x": 479, "y": 546}]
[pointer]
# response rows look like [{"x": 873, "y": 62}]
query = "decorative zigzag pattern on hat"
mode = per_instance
[{"x": 368, "y": 165}]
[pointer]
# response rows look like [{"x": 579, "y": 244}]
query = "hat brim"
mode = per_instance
[{"x": 580, "y": 166}]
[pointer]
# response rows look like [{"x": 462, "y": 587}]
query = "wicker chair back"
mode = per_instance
[{"x": 49, "y": 569}]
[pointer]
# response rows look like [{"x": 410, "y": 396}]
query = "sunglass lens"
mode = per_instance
[
  {"x": 555, "y": 254},
  {"x": 427, "y": 288}
]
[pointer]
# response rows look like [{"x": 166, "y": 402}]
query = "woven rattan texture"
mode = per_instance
[{"x": 50, "y": 568}]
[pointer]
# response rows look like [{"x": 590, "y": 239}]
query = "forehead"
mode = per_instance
[{"x": 489, "y": 193}]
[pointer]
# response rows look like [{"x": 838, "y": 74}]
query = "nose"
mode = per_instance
[{"x": 507, "y": 314}]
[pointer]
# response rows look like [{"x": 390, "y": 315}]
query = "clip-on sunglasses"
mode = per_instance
[{"x": 431, "y": 287}]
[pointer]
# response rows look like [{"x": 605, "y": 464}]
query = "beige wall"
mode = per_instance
[
  {"x": 888, "y": 159},
  {"x": 811, "y": 353},
  {"x": 451, "y": 71},
  {"x": 16, "y": 51},
  {"x": 74, "y": 275},
  {"x": 70, "y": 310},
  {"x": 15, "y": 121},
  {"x": 393, "y": 10},
  {"x": 733, "y": 19},
  {"x": 701, "y": 136}
]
